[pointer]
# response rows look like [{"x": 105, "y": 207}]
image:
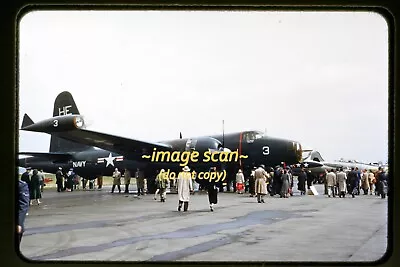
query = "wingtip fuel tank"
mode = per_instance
[{"x": 55, "y": 124}]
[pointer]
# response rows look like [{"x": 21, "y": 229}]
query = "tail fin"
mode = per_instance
[
  {"x": 315, "y": 156},
  {"x": 64, "y": 105},
  {"x": 26, "y": 121}
]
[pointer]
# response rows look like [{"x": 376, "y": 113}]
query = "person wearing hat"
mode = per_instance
[
  {"x": 261, "y": 177},
  {"x": 184, "y": 186},
  {"x": 59, "y": 179},
  {"x": 240, "y": 182}
]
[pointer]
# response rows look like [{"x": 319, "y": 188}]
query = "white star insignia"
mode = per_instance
[
  {"x": 298, "y": 164},
  {"x": 110, "y": 160},
  {"x": 306, "y": 164}
]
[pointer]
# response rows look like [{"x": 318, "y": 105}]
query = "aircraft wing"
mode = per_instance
[
  {"x": 117, "y": 144},
  {"x": 55, "y": 156},
  {"x": 73, "y": 128}
]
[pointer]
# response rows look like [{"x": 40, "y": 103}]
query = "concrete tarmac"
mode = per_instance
[{"x": 100, "y": 226}]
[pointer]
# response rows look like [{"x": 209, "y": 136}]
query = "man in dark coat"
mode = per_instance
[
  {"x": 23, "y": 207},
  {"x": 59, "y": 179},
  {"x": 277, "y": 181},
  {"x": 352, "y": 182},
  {"x": 35, "y": 193},
  {"x": 301, "y": 182},
  {"x": 212, "y": 190},
  {"x": 383, "y": 183},
  {"x": 26, "y": 177},
  {"x": 358, "y": 180}
]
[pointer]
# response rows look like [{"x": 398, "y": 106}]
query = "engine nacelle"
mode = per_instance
[
  {"x": 209, "y": 150},
  {"x": 203, "y": 144},
  {"x": 57, "y": 124}
]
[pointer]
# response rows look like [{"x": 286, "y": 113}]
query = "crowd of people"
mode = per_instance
[
  {"x": 259, "y": 183},
  {"x": 70, "y": 181},
  {"x": 338, "y": 182},
  {"x": 263, "y": 181},
  {"x": 35, "y": 183}
]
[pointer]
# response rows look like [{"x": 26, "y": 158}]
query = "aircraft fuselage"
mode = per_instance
[{"x": 255, "y": 150}]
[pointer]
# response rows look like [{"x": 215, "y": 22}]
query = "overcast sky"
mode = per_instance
[{"x": 315, "y": 77}]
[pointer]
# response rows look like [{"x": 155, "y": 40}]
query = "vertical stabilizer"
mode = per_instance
[
  {"x": 65, "y": 105},
  {"x": 26, "y": 121}
]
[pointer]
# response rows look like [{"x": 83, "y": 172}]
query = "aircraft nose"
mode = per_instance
[
  {"x": 312, "y": 164},
  {"x": 308, "y": 164},
  {"x": 22, "y": 162}
]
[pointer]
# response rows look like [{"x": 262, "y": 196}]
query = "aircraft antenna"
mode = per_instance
[
  {"x": 180, "y": 135},
  {"x": 223, "y": 135}
]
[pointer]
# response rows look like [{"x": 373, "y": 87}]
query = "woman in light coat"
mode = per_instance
[
  {"x": 371, "y": 180},
  {"x": 184, "y": 186},
  {"x": 341, "y": 178},
  {"x": 261, "y": 183},
  {"x": 365, "y": 182}
]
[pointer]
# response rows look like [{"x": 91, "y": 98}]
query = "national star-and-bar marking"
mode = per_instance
[{"x": 110, "y": 159}]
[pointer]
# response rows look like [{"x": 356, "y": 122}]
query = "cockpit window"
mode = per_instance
[
  {"x": 191, "y": 144},
  {"x": 249, "y": 137}
]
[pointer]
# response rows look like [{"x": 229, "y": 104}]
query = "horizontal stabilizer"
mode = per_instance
[
  {"x": 26, "y": 121},
  {"x": 54, "y": 156}
]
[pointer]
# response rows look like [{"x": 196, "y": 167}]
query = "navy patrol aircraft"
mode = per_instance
[{"x": 92, "y": 154}]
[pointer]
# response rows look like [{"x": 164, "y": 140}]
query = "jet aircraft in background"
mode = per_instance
[
  {"x": 313, "y": 161},
  {"x": 92, "y": 154}
]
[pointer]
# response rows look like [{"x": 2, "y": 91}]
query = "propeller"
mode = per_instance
[{"x": 86, "y": 122}]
